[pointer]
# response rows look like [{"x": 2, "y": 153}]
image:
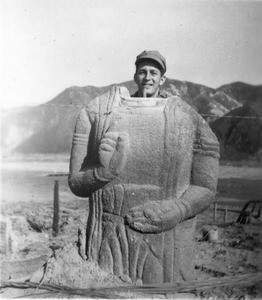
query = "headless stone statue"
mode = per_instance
[{"x": 148, "y": 166}]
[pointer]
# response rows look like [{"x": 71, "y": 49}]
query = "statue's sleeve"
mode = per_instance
[
  {"x": 92, "y": 141},
  {"x": 204, "y": 173},
  {"x": 82, "y": 180}
]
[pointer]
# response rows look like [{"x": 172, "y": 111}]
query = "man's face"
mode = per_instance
[{"x": 148, "y": 77}]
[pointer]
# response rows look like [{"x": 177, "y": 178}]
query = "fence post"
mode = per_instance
[
  {"x": 56, "y": 209},
  {"x": 260, "y": 213},
  {"x": 225, "y": 215},
  {"x": 215, "y": 212}
]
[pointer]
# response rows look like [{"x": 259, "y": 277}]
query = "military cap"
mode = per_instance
[{"x": 153, "y": 55}]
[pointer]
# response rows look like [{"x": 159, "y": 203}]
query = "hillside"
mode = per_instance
[
  {"x": 240, "y": 132},
  {"x": 48, "y": 128},
  {"x": 241, "y": 138},
  {"x": 208, "y": 102},
  {"x": 243, "y": 92}
]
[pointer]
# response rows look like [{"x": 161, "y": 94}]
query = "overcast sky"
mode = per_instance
[{"x": 50, "y": 45}]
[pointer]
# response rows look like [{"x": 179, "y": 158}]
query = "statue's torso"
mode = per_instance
[
  {"x": 140, "y": 180},
  {"x": 145, "y": 128},
  {"x": 158, "y": 167}
]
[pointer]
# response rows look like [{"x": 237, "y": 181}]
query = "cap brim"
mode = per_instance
[{"x": 152, "y": 57}]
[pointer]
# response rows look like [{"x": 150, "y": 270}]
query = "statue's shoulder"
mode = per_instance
[
  {"x": 178, "y": 104},
  {"x": 190, "y": 116},
  {"x": 93, "y": 105},
  {"x": 104, "y": 102}
]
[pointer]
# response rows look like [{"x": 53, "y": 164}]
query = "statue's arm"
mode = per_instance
[
  {"x": 88, "y": 174},
  {"x": 204, "y": 176},
  {"x": 164, "y": 215},
  {"x": 82, "y": 182}
]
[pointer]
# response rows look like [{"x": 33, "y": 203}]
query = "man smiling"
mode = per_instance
[{"x": 149, "y": 76}]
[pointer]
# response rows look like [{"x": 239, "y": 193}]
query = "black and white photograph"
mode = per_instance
[{"x": 131, "y": 149}]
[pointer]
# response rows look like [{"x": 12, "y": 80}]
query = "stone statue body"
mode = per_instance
[{"x": 145, "y": 193}]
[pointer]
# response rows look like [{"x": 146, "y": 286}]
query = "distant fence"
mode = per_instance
[
  {"x": 58, "y": 174},
  {"x": 225, "y": 208},
  {"x": 252, "y": 208}
]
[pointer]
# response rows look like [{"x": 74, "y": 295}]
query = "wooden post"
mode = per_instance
[
  {"x": 215, "y": 212},
  {"x": 260, "y": 213},
  {"x": 225, "y": 215},
  {"x": 56, "y": 209}
]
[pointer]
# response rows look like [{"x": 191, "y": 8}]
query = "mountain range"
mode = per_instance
[{"x": 48, "y": 128}]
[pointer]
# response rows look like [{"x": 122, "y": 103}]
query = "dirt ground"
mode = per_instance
[{"x": 35, "y": 255}]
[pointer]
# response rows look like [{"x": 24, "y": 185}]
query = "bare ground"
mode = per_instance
[{"x": 27, "y": 200}]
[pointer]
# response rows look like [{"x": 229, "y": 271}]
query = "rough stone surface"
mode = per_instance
[{"x": 148, "y": 166}]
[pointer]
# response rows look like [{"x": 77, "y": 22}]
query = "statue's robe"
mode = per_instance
[{"x": 172, "y": 155}]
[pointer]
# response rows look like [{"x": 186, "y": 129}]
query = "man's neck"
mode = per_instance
[{"x": 155, "y": 95}]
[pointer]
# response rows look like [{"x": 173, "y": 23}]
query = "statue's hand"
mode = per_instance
[
  {"x": 112, "y": 155},
  {"x": 154, "y": 217},
  {"x": 107, "y": 148}
]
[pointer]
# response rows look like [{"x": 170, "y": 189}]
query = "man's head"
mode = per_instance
[{"x": 150, "y": 70}]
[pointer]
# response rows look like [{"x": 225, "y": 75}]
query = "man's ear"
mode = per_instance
[{"x": 162, "y": 80}]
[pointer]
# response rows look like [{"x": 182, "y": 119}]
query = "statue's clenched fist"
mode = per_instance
[
  {"x": 107, "y": 148},
  {"x": 154, "y": 217},
  {"x": 112, "y": 153}
]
